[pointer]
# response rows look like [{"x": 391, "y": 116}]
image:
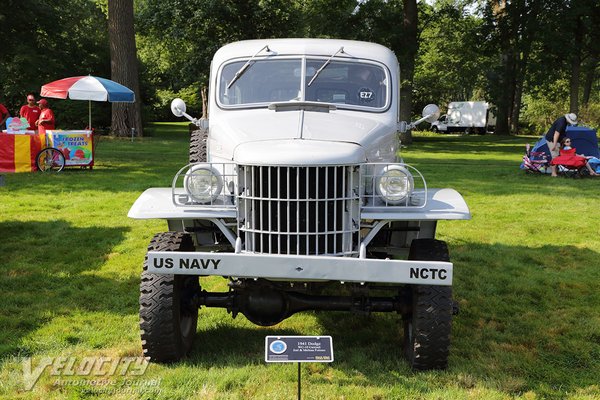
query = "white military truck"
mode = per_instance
[
  {"x": 467, "y": 117},
  {"x": 296, "y": 195}
]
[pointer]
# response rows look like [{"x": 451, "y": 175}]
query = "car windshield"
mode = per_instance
[{"x": 348, "y": 84}]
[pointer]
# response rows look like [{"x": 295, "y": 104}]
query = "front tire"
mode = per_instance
[
  {"x": 427, "y": 327},
  {"x": 168, "y": 314}
]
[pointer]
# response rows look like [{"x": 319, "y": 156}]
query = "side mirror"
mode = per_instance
[
  {"x": 178, "y": 107},
  {"x": 431, "y": 113}
]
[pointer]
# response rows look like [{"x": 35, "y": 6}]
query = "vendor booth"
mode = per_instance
[
  {"x": 77, "y": 147},
  {"x": 28, "y": 151},
  {"x": 18, "y": 152}
]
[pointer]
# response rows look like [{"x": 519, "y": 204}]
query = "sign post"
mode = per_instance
[{"x": 285, "y": 349}]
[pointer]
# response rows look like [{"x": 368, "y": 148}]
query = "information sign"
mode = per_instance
[{"x": 298, "y": 349}]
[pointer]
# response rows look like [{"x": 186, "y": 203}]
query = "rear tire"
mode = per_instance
[
  {"x": 427, "y": 327},
  {"x": 198, "y": 146},
  {"x": 168, "y": 314}
]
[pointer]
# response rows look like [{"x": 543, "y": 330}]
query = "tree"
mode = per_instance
[
  {"x": 513, "y": 25},
  {"x": 48, "y": 40},
  {"x": 451, "y": 64},
  {"x": 124, "y": 66},
  {"x": 394, "y": 24},
  {"x": 409, "y": 43}
]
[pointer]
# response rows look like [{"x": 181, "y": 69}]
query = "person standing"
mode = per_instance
[
  {"x": 557, "y": 133},
  {"x": 30, "y": 111},
  {"x": 46, "y": 120},
  {"x": 4, "y": 114}
]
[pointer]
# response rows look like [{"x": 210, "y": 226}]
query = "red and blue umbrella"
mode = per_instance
[{"x": 89, "y": 88}]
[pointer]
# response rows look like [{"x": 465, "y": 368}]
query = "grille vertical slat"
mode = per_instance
[{"x": 299, "y": 210}]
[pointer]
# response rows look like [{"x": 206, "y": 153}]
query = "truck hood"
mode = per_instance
[
  {"x": 339, "y": 126},
  {"x": 273, "y": 131},
  {"x": 298, "y": 152}
]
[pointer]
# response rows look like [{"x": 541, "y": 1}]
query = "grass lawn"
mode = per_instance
[{"x": 527, "y": 278}]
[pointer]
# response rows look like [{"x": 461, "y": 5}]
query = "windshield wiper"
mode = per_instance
[
  {"x": 245, "y": 66},
  {"x": 341, "y": 50}
]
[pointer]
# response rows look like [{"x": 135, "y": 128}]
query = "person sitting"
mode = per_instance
[
  {"x": 557, "y": 133},
  {"x": 367, "y": 84},
  {"x": 569, "y": 158}
]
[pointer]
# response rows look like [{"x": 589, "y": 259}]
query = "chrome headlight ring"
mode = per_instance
[
  {"x": 203, "y": 183},
  {"x": 394, "y": 184}
]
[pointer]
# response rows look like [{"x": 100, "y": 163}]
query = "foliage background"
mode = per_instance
[{"x": 527, "y": 55}]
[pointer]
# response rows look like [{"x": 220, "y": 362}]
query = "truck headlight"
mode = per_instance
[
  {"x": 394, "y": 184},
  {"x": 203, "y": 183}
]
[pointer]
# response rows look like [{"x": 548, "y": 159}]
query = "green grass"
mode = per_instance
[{"x": 527, "y": 279}]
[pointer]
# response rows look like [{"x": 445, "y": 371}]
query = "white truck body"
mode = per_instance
[
  {"x": 301, "y": 185},
  {"x": 466, "y": 116}
]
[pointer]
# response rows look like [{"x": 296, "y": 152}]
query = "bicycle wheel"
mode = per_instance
[{"x": 50, "y": 160}]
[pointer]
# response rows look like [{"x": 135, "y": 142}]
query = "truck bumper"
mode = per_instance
[{"x": 300, "y": 268}]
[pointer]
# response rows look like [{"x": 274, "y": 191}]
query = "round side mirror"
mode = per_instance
[
  {"x": 178, "y": 107},
  {"x": 431, "y": 112}
]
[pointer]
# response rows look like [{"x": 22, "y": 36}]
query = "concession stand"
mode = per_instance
[{"x": 26, "y": 151}]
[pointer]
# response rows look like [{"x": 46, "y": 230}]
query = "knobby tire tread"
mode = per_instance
[
  {"x": 198, "y": 146},
  {"x": 427, "y": 346},
  {"x": 161, "y": 335}
]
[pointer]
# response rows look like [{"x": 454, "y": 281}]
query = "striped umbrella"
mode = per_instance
[{"x": 89, "y": 88}]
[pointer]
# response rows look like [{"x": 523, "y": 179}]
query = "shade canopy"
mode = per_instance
[{"x": 88, "y": 88}]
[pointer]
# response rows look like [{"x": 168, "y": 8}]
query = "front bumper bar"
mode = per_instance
[{"x": 300, "y": 268}]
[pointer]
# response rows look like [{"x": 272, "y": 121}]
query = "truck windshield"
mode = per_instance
[{"x": 348, "y": 84}]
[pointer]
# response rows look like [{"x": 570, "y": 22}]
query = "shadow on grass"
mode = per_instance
[
  {"x": 529, "y": 322},
  {"x": 230, "y": 345},
  {"x": 44, "y": 274}
]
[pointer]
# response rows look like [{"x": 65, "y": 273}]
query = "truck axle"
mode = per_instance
[{"x": 267, "y": 306}]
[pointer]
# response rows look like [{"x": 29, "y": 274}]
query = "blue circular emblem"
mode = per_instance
[{"x": 278, "y": 347}]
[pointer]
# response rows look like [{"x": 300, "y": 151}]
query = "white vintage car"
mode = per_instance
[{"x": 296, "y": 194}]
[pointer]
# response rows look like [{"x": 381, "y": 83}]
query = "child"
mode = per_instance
[{"x": 570, "y": 159}]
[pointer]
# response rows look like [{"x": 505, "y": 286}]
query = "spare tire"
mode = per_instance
[{"x": 198, "y": 146}]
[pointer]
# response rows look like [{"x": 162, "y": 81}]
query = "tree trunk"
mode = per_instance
[
  {"x": 407, "y": 64},
  {"x": 521, "y": 70},
  {"x": 505, "y": 97},
  {"x": 124, "y": 67},
  {"x": 575, "y": 68},
  {"x": 589, "y": 81}
]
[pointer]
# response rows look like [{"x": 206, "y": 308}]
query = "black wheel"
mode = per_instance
[
  {"x": 50, "y": 160},
  {"x": 198, "y": 146},
  {"x": 427, "y": 327},
  {"x": 168, "y": 314},
  {"x": 435, "y": 129}
]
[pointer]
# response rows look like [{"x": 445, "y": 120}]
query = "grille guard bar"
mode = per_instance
[{"x": 231, "y": 191}]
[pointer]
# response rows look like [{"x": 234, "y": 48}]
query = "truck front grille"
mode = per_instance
[{"x": 299, "y": 210}]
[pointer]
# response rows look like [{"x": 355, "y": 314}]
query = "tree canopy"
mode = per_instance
[{"x": 533, "y": 60}]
